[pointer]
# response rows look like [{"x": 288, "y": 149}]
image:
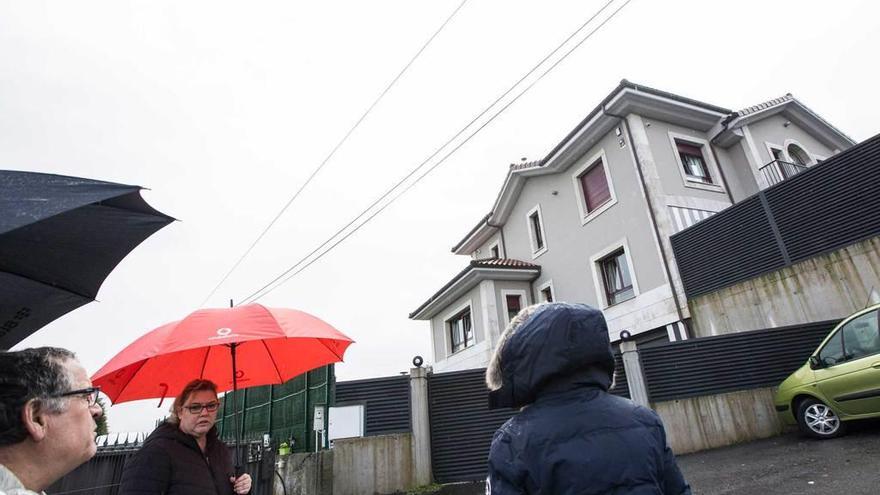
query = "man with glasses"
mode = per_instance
[
  {"x": 48, "y": 409},
  {"x": 184, "y": 454}
]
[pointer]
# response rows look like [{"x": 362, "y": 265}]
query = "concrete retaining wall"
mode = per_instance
[
  {"x": 712, "y": 421},
  {"x": 355, "y": 466},
  {"x": 371, "y": 465},
  {"x": 825, "y": 287}
]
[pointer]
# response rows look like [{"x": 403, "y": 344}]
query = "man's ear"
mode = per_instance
[{"x": 33, "y": 417}]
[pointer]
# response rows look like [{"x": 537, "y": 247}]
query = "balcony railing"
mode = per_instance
[{"x": 778, "y": 170}]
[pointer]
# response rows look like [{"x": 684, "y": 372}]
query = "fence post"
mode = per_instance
[
  {"x": 635, "y": 377},
  {"x": 421, "y": 426}
]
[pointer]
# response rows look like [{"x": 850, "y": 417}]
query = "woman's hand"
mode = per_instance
[{"x": 242, "y": 485}]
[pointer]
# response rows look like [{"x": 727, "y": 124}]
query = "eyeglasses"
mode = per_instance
[
  {"x": 197, "y": 408},
  {"x": 89, "y": 394}
]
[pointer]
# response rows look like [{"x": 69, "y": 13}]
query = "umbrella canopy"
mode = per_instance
[
  {"x": 59, "y": 239},
  {"x": 271, "y": 346}
]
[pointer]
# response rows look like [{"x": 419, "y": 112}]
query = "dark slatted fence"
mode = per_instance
[
  {"x": 727, "y": 363},
  {"x": 829, "y": 206},
  {"x": 386, "y": 403}
]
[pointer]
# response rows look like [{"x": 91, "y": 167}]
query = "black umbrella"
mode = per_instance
[{"x": 59, "y": 239}]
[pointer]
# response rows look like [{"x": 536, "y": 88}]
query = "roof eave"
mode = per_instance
[
  {"x": 466, "y": 280},
  {"x": 801, "y": 115}
]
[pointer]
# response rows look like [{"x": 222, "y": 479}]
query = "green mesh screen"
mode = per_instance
[{"x": 285, "y": 411}]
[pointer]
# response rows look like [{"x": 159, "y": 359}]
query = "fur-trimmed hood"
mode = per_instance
[{"x": 549, "y": 346}]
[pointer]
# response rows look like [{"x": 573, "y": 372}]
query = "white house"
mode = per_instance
[{"x": 590, "y": 222}]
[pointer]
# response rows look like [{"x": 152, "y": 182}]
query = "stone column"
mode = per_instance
[
  {"x": 635, "y": 378},
  {"x": 421, "y": 426}
]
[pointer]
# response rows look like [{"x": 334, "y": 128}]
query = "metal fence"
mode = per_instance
[
  {"x": 386, "y": 403},
  {"x": 728, "y": 363},
  {"x": 829, "y": 206},
  {"x": 103, "y": 473}
]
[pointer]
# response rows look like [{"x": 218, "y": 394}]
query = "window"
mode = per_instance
[
  {"x": 595, "y": 187},
  {"x": 616, "y": 277},
  {"x": 694, "y": 163},
  {"x": 461, "y": 332},
  {"x": 858, "y": 338},
  {"x": 547, "y": 294},
  {"x": 494, "y": 252},
  {"x": 798, "y": 155},
  {"x": 535, "y": 220},
  {"x": 514, "y": 305},
  {"x": 536, "y": 231},
  {"x": 832, "y": 353}
]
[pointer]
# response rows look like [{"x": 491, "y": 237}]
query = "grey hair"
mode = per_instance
[
  {"x": 37, "y": 374},
  {"x": 493, "y": 371}
]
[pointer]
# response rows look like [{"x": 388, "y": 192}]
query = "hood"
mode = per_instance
[{"x": 555, "y": 346}]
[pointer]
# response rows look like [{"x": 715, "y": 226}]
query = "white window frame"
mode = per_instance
[
  {"x": 535, "y": 251},
  {"x": 579, "y": 191},
  {"x": 524, "y": 300},
  {"x": 447, "y": 341},
  {"x": 717, "y": 184},
  {"x": 545, "y": 285},
  {"x": 497, "y": 244},
  {"x": 789, "y": 142},
  {"x": 599, "y": 280},
  {"x": 770, "y": 147}
]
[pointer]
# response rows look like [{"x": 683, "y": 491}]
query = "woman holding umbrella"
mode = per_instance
[{"x": 184, "y": 455}]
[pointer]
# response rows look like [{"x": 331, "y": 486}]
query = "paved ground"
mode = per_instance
[{"x": 788, "y": 464}]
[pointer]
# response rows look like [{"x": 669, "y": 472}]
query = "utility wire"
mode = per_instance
[
  {"x": 331, "y": 154},
  {"x": 293, "y": 271}
]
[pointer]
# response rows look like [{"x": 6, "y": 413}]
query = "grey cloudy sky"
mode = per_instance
[{"x": 222, "y": 109}]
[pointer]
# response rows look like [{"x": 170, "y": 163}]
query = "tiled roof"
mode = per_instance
[
  {"x": 763, "y": 106},
  {"x": 525, "y": 165},
  {"x": 496, "y": 263},
  {"x": 502, "y": 263}
]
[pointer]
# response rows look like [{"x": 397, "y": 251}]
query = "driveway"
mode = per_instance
[{"x": 790, "y": 465}]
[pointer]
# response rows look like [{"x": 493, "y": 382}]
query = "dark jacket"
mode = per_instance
[
  {"x": 170, "y": 462},
  {"x": 572, "y": 437}
]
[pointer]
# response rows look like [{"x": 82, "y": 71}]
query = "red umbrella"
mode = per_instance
[{"x": 249, "y": 345}]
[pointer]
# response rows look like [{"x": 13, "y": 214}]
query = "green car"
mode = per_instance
[{"x": 840, "y": 382}]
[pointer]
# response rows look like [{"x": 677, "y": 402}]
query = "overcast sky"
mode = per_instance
[{"x": 222, "y": 109}]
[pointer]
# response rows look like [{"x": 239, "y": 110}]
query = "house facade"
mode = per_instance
[{"x": 591, "y": 222}]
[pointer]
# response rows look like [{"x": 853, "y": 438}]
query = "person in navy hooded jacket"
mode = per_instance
[{"x": 554, "y": 361}]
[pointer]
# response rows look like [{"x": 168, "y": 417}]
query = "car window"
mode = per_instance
[
  {"x": 861, "y": 337},
  {"x": 832, "y": 353}
]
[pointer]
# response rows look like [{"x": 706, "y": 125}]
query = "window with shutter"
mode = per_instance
[{"x": 594, "y": 185}]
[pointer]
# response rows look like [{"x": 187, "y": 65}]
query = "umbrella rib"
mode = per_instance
[
  {"x": 48, "y": 284},
  {"x": 143, "y": 363},
  {"x": 330, "y": 349},
  {"x": 272, "y": 358},
  {"x": 204, "y": 363}
]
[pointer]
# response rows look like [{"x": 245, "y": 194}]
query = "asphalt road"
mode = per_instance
[{"x": 790, "y": 465}]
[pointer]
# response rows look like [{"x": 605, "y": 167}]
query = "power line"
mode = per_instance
[
  {"x": 290, "y": 273},
  {"x": 331, "y": 154}
]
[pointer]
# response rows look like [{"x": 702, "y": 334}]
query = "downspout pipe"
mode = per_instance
[
  {"x": 651, "y": 211},
  {"x": 712, "y": 143}
]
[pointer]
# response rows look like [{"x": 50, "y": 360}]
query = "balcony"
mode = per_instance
[{"x": 778, "y": 170}]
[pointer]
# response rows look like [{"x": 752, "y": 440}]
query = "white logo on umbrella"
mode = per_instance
[{"x": 223, "y": 333}]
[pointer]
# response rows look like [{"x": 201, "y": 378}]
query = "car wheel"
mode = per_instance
[{"x": 817, "y": 420}]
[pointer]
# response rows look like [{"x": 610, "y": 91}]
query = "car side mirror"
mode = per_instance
[{"x": 815, "y": 363}]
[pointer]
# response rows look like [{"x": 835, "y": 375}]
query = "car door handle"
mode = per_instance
[{"x": 876, "y": 365}]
